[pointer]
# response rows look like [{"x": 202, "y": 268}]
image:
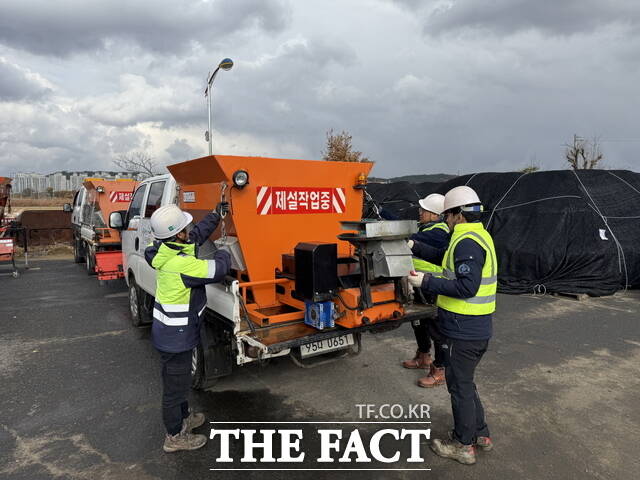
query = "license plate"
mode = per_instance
[{"x": 327, "y": 345}]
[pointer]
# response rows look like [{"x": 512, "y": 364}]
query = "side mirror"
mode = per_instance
[
  {"x": 67, "y": 207},
  {"x": 116, "y": 219}
]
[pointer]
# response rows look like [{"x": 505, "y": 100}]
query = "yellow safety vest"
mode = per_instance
[
  {"x": 484, "y": 301},
  {"x": 421, "y": 265}
]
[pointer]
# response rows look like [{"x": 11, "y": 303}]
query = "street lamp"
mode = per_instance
[{"x": 225, "y": 64}]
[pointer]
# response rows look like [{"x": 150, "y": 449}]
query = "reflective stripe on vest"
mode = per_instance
[
  {"x": 172, "y": 315},
  {"x": 439, "y": 225},
  {"x": 170, "y": 321},
  {"x": 484, "y": 302},
  {"x": 421, "y": 265}
]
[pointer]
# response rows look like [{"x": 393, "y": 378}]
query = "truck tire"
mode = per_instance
[
  {"x": 140, "y": 305},
  {"x": 134, "y": 303},
  {"x": 213, "y": 357},
  {"x": 91, "y": 261},
  {"x": 77, "y": 252},
  {"x": 197, "y": 368}
]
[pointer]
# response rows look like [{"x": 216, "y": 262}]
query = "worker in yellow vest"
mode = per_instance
[
  {"x": 434, "y": 232},
  {"x": 466, "y": 302}
]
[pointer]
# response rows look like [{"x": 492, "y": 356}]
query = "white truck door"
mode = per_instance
[
  {"x": 77, "y": 203},
  {"x": 147, "y": 278},
  {"x": 130, "y": 234}
]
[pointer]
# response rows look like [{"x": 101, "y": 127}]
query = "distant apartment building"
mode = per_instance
[
  {"x": 36, "y": 182},
  {"x": 61, "y": 181}
]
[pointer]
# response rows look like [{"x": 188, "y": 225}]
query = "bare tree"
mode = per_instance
[
  {"x": 137, "y": 162},
  {"x": 339, "y": 149},
  {"x": 583, "y": 154}
]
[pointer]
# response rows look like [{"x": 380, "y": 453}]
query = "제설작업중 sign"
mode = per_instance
[
  {"x": 120, "y": 196},
  {"x": 287, "y": 200}
]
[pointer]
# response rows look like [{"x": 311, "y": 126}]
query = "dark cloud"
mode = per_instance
[
  {"x": 410, "y": 4},
  {"x": 45, "y": 137},
  {"x": 490, "y": 100},
  {"x": 286, "y": 90},
  {"x": 137, "y": 101},
  {"x": 65, "y": 27},
  {"x": 180, "y": 150},
  {"x": 564, "y": 17},
  {"x": 17, "y": 84}
]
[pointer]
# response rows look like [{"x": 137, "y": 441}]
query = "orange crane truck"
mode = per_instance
[
  {"x": 94, "y": 242},
  {"x": 5, "y": 198},
  {"x": 309, "y": 276},
  {"x": 7, "y": 246}
]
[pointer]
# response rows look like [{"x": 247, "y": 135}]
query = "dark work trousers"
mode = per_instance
[
  {"x": 421, "y": 330},
  {"x": 461, "y": 357},
  {"x": 176, "y": 383},
  {"x": 426, "y": 329}
]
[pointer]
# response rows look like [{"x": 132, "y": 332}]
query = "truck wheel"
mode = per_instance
[
  {"x": 91, "y": 262},
  {"x": 197, "y": 370},
  {"x": 140, "y": 305},
  {"x": 135, "y": 306},
  {"x": 77, "y": 252},
  {"x": 198, "y": 376}
]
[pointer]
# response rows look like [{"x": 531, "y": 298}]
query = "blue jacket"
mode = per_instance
[
  {"x": 436, "y": 237},
  {"x": 176, "y": 328},
  {"x": 466, "y": 285}
]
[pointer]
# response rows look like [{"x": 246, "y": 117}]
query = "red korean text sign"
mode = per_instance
[
  {"x": 301, "y": 200},
  {"x": 120, "y": 197}
]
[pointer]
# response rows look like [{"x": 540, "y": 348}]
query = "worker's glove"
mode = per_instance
[
  {"x": 415, "y": 279},
  {"x": 410, "y": 244},
  {"x": 222, "y": 209}
]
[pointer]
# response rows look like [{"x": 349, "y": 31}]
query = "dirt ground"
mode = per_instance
[
  {"x": 58, "y": 251},
  {"x": 33, "y": 203},
  {"x": 81, "y": 390}
]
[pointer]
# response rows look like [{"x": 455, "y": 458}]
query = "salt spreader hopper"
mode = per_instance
[{"x": 305, "y": 266}]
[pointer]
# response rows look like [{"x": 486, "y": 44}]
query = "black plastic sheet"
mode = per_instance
[{"x": 555, "y": 231}]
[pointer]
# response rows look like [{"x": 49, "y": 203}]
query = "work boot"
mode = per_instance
[
  {"x": 194, "y": 420},
  {"x": 420, "y": 360},
  {"x": 184, "y": 440},
  {"x": 453, "y": 449},
  {"x": 483, "y": 443},
  {"x": 436, "y": 377}
]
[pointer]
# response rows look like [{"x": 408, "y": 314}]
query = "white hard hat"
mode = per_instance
[
  {"x": 460, "y": 196},
  {"x": 168, "y": 221},
  {"x": 433, "y": 203}
]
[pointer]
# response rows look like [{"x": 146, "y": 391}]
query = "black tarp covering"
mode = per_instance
[
  {"x": 400, "y": 199},
  {"x": 560, "y": 231}
]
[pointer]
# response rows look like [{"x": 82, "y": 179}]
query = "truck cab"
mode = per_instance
[{"x": 150, "y": 195}]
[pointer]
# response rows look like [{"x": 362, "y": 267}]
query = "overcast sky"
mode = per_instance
[{"x": 450, "y": 86}]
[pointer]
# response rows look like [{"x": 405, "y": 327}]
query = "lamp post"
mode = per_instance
[{"x": 225, "y": 64}]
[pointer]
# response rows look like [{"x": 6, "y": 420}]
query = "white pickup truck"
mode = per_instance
[{"x": 216, "y": 358}]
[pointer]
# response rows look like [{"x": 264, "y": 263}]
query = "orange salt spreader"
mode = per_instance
[
  {"x": 300, "y": 250},
  {"x": 102, "y": 198},
  {"x": 96, "y": 242}
]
